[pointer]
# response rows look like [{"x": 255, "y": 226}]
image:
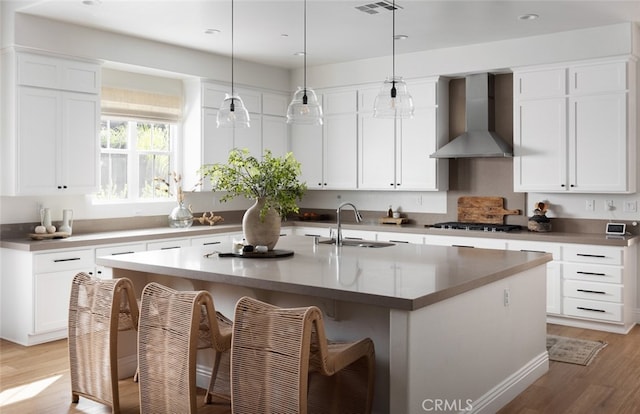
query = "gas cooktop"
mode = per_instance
[{"x": 456, "y": 225}]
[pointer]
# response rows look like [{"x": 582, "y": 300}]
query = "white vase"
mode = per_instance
[
  {"x": 261, "y": 231},
  {"x": 67, "y": 221}
]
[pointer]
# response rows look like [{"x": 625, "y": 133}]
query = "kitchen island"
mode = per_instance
[{"x": 454, "y": 328}]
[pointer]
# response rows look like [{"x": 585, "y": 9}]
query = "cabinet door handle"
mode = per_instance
[
  {"x": 398, "y": 241},
  {"x": 169, "y": 248},
  {"x": 461, "y": 245},
  {"x": 590, "y": 273},
  {"x": 210, "y": 243},
  {"x": 590, "y": 309},
  {"x": 71, "y": 259},
  {"x": 592, "y": 291},
  {"x": 119, "y": 253},
  {"x": 599, "y": 256},
  {"x": 532, "y": 251}
]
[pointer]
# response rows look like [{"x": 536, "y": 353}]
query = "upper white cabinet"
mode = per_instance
[
  {"x": 206, "y": 144},
  {"x": 328, "y": 153},
  {"x": 50, "y": 125},
  {"x": 394, "y": 154},
  {"x": 574, "y": 128}
]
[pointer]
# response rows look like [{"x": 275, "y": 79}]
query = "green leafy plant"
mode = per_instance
[{"x": 275, "y": 179}]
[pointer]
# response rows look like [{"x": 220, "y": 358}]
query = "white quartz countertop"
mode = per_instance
[{"x": 402, "y": 276}]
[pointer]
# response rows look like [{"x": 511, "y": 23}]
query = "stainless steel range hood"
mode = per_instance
[{"x": 477, "y": 141}]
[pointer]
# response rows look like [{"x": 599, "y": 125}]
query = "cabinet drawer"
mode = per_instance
[
  {"x": 65, "y": 260},
  {"x": 168, "y": 244},
  {"x": 527, "y": 246},
  {"x": 221, "y": 241},
  {"x": 122, "y": 249},
  {"x": 593, "y": 291},
  {"x": 592, "y": 273},
  {"x": 593, "y": 309},
  {"x": 592, "y": 254}
]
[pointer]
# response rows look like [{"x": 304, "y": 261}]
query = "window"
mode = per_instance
[{"x": 133, "y": 153}]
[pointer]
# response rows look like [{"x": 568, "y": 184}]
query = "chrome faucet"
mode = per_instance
[{"x": 339, "y": 230}]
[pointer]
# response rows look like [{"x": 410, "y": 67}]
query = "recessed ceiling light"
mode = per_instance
[
  {"x": 528, "y": 16},
  {"x": 91, "y": 2},
  {"x": 284, "y": 35},
  {"x": 401, "y": 37},
  {"x": 212, "y": 31}
]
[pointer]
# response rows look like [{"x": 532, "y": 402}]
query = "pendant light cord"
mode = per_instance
[
  {"x": 232, "y": 106},
  {"x": 393, "y": 52},
  {"x": 304, "y": 95}
]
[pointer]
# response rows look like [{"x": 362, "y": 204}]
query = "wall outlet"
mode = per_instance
[
  {"x": 590, "y": 205},
  {"x": 630, "y": 206},
  {"x": 608, "y": 205},
  {"x": 507, "y": 297}
]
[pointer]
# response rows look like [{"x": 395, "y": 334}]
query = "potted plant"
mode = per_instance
[{"x": 272, "y": 182}]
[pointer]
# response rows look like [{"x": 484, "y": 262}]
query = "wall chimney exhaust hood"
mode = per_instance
[{"x": 477, "y": 141}]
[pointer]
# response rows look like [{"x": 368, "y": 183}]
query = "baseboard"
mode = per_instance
[
  {"x": 589, "y": 324},
  {"x": 512, "y": 386}
]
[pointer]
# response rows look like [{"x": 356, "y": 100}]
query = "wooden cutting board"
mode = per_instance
[{"x": 483, "y": 210}]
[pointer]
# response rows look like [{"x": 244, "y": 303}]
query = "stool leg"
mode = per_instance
[{"x": 214, "y": 375}]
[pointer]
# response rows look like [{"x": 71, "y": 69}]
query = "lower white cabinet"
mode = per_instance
[
  {"x": 599, "y": 286},
  {"x": 554, "y": 275},
  {"x": 168, "y": 244},
  {"x": 35, "y": 293},
  {"x": 116, "y": 250}
]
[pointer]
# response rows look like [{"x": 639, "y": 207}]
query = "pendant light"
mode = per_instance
[
  {"x": 304, "y": 108},
  {"x": 393, "y": 100},
  {"x": 232, "y": 112}
]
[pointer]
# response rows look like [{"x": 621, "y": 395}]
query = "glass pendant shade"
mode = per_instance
[
  {"x": 232, "y": 113},
  {"x": 393, "y": 104},
  {"x": 304, "y": 108}
]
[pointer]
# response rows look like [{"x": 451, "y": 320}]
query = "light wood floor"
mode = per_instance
[{"x": 36, "y": 380}]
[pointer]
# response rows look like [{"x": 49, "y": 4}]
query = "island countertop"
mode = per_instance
[{"x": 401, "y": 276}]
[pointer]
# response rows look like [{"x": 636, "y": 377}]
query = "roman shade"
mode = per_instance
[{"x": 130, "y": 103}]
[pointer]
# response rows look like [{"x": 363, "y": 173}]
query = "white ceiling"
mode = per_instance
[{"x": 270, "y": 31}]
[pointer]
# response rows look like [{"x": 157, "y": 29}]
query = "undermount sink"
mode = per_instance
[{"x": 358, "y": 243}]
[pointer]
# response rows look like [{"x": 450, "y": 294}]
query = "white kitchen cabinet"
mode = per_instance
[
  {"x": 395, "y": 237},
  {"x": 574, "y": 130},
  {"x": 394, "y": 153},
  {"x": 168, "y": 244},
  {"x": 206, "y": 144},
  {"x": 598, "y": 287},
  {"x": 51, "y": 72},
  {"x": 328, "y": 154},
  {"x": 275, "y": 135},
  {"x": 50, "y": 140},
  {"x": 35, "y": 293},
  {"x": 306, "y": 143},
  {"x": 554, "y": 275},
  {"x": 540, "y": 145},
  {"x": 312, "y": 231},
  {"x": 472, "y": 242},
  {"x": 115, "y": 250}
]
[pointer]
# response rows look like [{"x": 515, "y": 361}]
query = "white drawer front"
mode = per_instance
[
  {"x": 592, "y": 309},
  {"x": 592, "y": 254},
  {"x": 64, "y": 260},
  {"x": 168, "y": 244},
  {"x": 121, "y": 249},
  {"x": 592, "y": 273},
  {"x": 592, "y": 290},
  {"x": 527, "y": 246},
  {"x": 222, "y": 241}
]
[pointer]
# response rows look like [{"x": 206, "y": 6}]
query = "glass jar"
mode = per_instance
[{"x": 180, "y": 217}]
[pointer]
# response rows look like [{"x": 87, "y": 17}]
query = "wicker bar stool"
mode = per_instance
[
  {"x": 173, "y": 326},
  {"x": 98, "y": 310},
  {"x": 282, "y": 362}
]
